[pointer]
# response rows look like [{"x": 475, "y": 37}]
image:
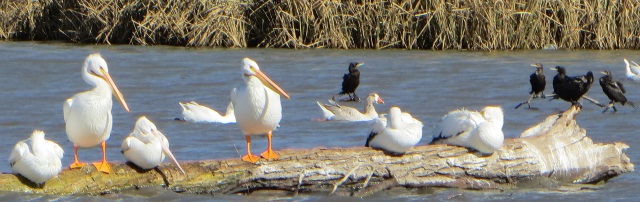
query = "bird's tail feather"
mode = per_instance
[{"x": 632, "y": 105}]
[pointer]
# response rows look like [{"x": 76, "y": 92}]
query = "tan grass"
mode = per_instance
[{"x": 378, "y": 24}]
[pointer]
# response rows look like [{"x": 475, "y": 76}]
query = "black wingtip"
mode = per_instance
[
  {"x": 370, "y": 138},
  {"x": 437, "y": 137}
]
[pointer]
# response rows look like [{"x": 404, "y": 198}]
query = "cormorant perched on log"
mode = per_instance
[
  {"x": 350, "y": 82},
  {"x": 538, "y": 82},
  {"x": 571, "y": 89},
  {"x": 614, "y": 90}
]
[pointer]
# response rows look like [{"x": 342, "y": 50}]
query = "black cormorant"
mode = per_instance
[
  {"x": 614, "y": 90},
  {"x": 350, "y": 81},
  {"x": 538, "y": 82},
  {"x": 571, "y": 89}
]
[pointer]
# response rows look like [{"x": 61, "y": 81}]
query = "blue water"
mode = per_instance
[{"x": 37, "y": 77}]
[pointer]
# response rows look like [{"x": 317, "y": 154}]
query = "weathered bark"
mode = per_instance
[{"x": 556, "y": 149}]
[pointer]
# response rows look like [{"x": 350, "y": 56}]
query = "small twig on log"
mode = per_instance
[
  {"x": 344, "y": 179},
  {"x": 299, "y": 183},
  {"x": 366, "y": 182}
]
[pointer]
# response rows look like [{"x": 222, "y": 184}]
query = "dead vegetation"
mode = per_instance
[{"x": 436, "y": 24}]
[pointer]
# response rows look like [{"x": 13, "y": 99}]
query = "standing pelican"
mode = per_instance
[
  {"x": 633, "y": 70},
  {"x": 36, "y": 158},
  {"x": 146, "y": 146},
  {"x": 194, "y": 112},
  {"x": 481, "y": 131},
  {"x": 397, "y": 134},
  {"x": 88, "y": 114},
  {"x": 257, "y": 107}
]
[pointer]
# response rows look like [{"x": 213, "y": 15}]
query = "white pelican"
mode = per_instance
[
  {"x": 257, "y": 107},
  {"x": 333, "y": 111},
  {"x": 88, "y": 114},
  {"x": 36, "y": 159},
  {"x": 194, "y": 112},
  {"x": 481, "y": 131},
  {"x": 146, "y": 146},
  {"x": 633, "y": 70},
  {"x": 397, "y": 134}
]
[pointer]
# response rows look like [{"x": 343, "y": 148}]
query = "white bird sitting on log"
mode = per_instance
[
  {"x": 196, "y": 113},
  {"x": 36, "y": 158},
  {"x": 633, "y": 70},
  {"x": 333, "y": 111},
  {"x": 87, "y": 115},
  {"x": 257, "y": 107},
  {"x": 481, "y": 131},
  {"x": 397, "y": 134},
  {"x": 146, "y": 146}
]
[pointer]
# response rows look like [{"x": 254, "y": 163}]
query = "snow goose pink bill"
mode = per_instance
[
  {"x": 146, "y": 146},
  {"x": 481, "y": 131},
  {"x": 396, "y": 134},
  {"x": 36, "y": 158},
  {"x": 336, "y": 112}
]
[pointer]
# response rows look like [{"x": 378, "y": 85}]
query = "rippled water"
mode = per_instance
[{"x": 38, "y": 77}]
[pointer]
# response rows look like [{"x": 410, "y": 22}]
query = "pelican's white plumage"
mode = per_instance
[
  {"x": 481, "y": 131},
  {"x": 36, "y": 158},
  {"x": 257, "y": 106},
  {"x": 194, "y": 112},
  {"x": 87, "y": 115},
  {"x": 333, "y": 111},
  {"x": 397, "y": 134},
  {"x": 146, "y": 146},
  {"x": 633, "y": 70}
]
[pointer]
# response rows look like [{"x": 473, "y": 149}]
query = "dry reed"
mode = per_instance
[{"x": 423, "y": 24}]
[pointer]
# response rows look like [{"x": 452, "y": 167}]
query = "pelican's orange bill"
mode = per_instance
[{"x": 270, "y": 84}]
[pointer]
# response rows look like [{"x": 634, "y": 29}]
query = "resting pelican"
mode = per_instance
[
  {"x": 88, "y": 114},
  {"x": 194, "y": 112},
  {"x": 146, "y": 146},
  {"x": 257, "y": 107},
  {"x": 633, "y": 70},
  {"x": 36, "y": 159},
  {"x": 397, "y": 134},
  {"x": 481, "y": 131},
  {"x": 333, "y": 111}
]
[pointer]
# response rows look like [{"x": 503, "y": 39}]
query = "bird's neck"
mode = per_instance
[
  {"x": 253, "y": 81},
  {"x": 101, "y": 86},
  {"x": 370, "y": 109},
  {"x": 37, "y": 143},
  {"x": 395, "y": 121},
  {"x": 256, "y": 86}
]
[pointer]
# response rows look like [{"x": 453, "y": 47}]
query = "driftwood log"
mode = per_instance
[{"x": 556, "y": 149}]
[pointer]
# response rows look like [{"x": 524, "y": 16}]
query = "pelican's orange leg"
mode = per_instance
[
  {"x": 250, "y": 157},
  {"x": 103, "y": 166},
  {"x": 269, "y": 153},
  {"x": 76, "y": 163}
]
